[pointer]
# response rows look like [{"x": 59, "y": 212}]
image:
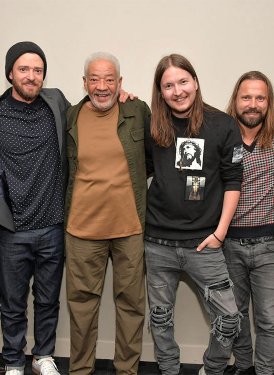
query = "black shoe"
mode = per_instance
[
  {"x": 2, "y": 368},
  {"x": 234, "y": 370}
]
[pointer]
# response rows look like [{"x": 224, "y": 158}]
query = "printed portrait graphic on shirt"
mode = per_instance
[
  {"x": 189, "y": 153},
  {"x": 237, "y": 154},
  {"x": 195, "y": 187}
]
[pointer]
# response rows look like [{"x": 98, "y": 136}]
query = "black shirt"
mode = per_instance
[
  {"x": 185, "y": 197},
  {"x": 31, "y": 160}
]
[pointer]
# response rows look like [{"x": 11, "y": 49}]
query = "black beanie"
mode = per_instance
[{"x": 18, "y": 50}]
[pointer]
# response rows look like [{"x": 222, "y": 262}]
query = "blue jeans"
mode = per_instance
[
  {"x": 38, "y": 253},
  {"x": 251, "y": 268},
  {"x": 208, "y": 270}
]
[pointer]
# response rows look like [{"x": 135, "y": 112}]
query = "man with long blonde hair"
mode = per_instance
[{"x": 249, "y": 248}]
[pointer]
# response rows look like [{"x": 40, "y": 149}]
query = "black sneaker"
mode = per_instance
[{"x": 234, "y": 370}]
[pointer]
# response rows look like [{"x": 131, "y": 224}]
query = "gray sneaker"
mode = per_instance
[{"x": 44, "y": 366}]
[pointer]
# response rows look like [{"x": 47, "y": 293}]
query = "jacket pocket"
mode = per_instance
[{"x": 137, "y": 134}]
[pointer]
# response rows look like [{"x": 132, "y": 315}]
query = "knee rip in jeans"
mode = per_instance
[
  {"x": 161, "y": 317},
  {"x": 225, "y": 327}
]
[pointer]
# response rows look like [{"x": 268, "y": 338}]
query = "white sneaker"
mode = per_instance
[
  {"x": 202, "y": 371},
  {"x": 44, "y": 366},
  {"x": 15, "y": 371}
]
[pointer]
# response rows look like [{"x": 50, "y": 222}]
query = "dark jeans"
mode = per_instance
[{"x": 38, "y": 253}]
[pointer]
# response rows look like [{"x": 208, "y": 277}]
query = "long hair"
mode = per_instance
[
  {"x": 162, "y": 128},
  {"x": 265, "y": 135}
]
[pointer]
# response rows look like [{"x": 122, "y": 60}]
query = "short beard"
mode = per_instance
[
  {"x": 251, "y": 123},
  {"x": 105, "y": 106},
  {"x": 24, "y": 95}
]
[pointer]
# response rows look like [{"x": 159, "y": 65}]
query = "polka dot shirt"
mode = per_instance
[{"x": 31, "y": 160}]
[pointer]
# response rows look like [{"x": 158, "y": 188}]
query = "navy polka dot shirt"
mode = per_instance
[{"x": 31, "y": 160}]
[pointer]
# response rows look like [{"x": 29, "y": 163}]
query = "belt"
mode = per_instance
[{"x": 253, "y": 241}]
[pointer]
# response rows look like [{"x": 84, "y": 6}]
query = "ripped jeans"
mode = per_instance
[{"x": 209, "y": 272}]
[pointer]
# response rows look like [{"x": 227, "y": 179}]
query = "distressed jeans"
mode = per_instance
[
  {"x": 209, "y": 272},
  {"x": 251, "y": 268}
]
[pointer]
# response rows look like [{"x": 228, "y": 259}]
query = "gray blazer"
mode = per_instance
[
  {"x": 6, "y": 219},
  {"x": 59, "y": 105}
]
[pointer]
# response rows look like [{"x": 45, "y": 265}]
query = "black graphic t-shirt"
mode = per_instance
[{"x": 190, "y": 177}]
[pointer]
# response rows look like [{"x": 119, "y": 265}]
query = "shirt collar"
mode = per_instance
[{"x": 36, "y": 104}]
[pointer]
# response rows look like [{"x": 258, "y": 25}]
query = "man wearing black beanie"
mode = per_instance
[
  {"x": 32, "y": 155},
  {"x": 19, "y": 49}
]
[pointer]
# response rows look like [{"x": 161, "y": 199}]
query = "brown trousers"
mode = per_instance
[{"x": 86, "y": 264}]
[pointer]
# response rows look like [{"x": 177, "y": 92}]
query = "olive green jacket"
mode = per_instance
[{"x": 133, "y": 115}]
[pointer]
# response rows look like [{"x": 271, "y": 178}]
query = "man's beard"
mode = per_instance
[
  {"x": 187, "y": 160},
  {"x": 106, "y": 105},
  {"x": 251, "y": 122},
  {"x": 24, "y": 94}
]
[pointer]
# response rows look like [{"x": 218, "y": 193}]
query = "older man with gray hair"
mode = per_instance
[{"x": 105, "y": 206}]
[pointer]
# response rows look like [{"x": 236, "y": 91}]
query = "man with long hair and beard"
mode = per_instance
[{"x": 249, "y": 247}]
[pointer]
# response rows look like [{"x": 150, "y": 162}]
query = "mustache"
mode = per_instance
[
  {"x": 33, "y": 81},
  {"x": 252, "y": 111},
  {"x": 102, "y": 91}
]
